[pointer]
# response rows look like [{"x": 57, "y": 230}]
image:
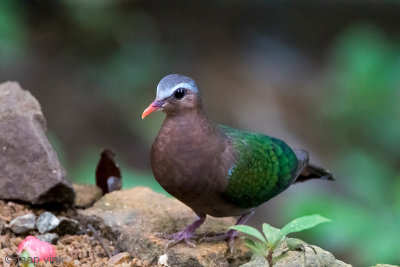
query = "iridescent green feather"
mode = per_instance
[{"x": 264, "y": 167}]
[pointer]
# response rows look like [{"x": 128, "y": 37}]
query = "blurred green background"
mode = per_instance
[{"x": 322, "y": 76}]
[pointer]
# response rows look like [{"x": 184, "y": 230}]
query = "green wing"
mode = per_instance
[{"x": 264, "y": 167}]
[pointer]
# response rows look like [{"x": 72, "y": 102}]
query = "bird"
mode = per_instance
[
  {"x": 108, "y": 173},
  {"x": 217, "y": 170}
]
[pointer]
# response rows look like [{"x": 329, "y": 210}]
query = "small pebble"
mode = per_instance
[
  {"x": 23, "y": 224},
  {"x": 47, "y": 222},
  {"x": 163, "y": 260},
  {"x": 51, "y": 238},
  {"x": 67, "y": 226},
  {"x": 119, "y": 258}
]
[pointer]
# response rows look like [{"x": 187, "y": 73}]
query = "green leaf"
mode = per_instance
[
  {"x": 25, "y": 262},
  {"x": 248, "y": 230},
  {"x": 256, "y": 247},
  {"x": 273, "y": 234},
  {"x": 303, "y": 223}
]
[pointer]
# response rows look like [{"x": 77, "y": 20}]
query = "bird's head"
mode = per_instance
[{"x": 175, "y": 93}]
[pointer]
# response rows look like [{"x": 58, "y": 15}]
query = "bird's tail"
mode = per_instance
[
  {"x": 309, "y": 170},
  {"x": 312, "y": 171}
]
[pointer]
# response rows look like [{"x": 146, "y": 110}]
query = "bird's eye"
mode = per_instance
[{"x": 179, "y": 93}]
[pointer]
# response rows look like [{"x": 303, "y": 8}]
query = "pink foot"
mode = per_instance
[{"x": 184, "y": 235}]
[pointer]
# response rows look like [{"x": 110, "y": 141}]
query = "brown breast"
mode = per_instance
[{"x": 190, "y": 158}]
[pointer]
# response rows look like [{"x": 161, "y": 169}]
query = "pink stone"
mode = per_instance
[{"x": 37, "y": 248}]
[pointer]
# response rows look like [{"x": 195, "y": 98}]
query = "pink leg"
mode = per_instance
[
  {"x": 231, "y": 234},
  {"x": 184, "y": 235}
]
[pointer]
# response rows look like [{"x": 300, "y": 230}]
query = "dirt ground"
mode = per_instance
[{"x": 75, "y": 250}]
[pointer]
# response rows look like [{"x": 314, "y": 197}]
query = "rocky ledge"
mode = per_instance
[{"x": 134, "y": 216}]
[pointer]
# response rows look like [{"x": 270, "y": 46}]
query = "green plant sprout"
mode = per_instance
[
  {"x": 26, "y": 260},
  {"x": 272, "y": 238}
]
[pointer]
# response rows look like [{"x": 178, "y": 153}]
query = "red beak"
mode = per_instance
[{"x": 156, "y": 105}]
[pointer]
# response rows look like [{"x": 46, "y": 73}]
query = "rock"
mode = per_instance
[
  {"x": 119, "y": 258},
  {"x": 312, "y": 256},
  {"x": 29, "y": 167},
  {"x": 51, "y": 238},
  {"x": 67, "y": 226},
  {"x": 256, "y": 261},
  {"x": 86, "y": 195},
  {"x": 23, "y": 224},
  {"x": 135, "y": 215},
  {"x": 47, "y": 222}
]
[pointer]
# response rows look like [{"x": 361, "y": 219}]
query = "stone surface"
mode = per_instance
[
  {"x": 135, "y": 215},
  {"x": 51, "y": 238},
  {"x": 47, "y": 222},
  {"x": 306, "y": 258},
  {"x": 23, "y": 224},
  {"x": 29, "y": 167},
  {"x": 67, "y": 226},
  {"x": 86, "y": 195},
  {"x": 119, "y": 258}
]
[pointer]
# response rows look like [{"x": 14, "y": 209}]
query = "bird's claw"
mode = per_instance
[
  {"x": 228, "y": 236},
  {"x": 164, "y": 235},
  {"x": 177, "y": 238},
  {"x": 173, "y": 242}
]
